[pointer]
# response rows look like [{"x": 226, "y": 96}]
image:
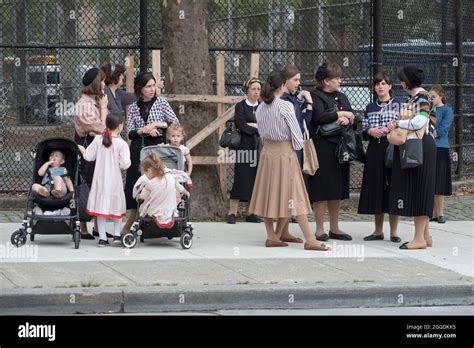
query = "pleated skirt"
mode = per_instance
[
  {"x": 412, "y": 190},
  {"x": 374, "y": 194},
  {"x": 279, "y": 190},
  {"x": 331, "y": 181},
  {"x": 444, "y": 186}
]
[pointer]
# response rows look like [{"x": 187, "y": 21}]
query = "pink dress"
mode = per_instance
[{"x": 106, "y": 196}]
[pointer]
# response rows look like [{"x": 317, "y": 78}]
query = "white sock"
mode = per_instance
[
  {"x": 101, "y": 225},
  {"x": 117, "y": 227}
]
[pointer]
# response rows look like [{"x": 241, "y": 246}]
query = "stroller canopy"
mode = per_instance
[{"x": 171, "y": 156}]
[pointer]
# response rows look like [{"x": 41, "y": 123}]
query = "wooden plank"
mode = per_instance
[
  {"x": 205, "y": 160},
  {"x": 129, "y": 64},
  {"x": 211, "y": 128},
  {"x": 254, "y": 64},
  {"x": 156, "y": 67},
  {"x": 231, "y": 99},
  {"x": 220, "y": 77}
]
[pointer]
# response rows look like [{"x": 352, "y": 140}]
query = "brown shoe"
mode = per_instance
[
  {"x": 57, "y": 193},
  {"x": 272, "y": 244},
  {"x": 413, "y": 245},
  {"x": 43, "y": 192},
  {"x": 322, "y": 247}
]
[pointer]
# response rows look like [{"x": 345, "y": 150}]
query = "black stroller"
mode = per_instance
[
  {"x": 34, "y": 223},
  {"x": 145, "y": 228}
]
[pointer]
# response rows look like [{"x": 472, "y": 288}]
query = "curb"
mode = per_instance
[{"x": 213, "y": 298}]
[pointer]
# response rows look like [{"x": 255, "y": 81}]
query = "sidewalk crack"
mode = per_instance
[
  {"x": 118, "y": 272},
  {"x": 233, "y": 270},
  {"x": 8, "y": 279}
]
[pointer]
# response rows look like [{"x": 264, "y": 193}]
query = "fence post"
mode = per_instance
[
  {"x": 143, "y": 35},
  {"x": 377, "y": 37},
  {"x": 156, "y": 67},
  {"x": 220, "y": 77},
  {"x": 459, "y": 85}
]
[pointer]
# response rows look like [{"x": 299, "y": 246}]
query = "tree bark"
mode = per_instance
[{"x": 188, "y": 71}]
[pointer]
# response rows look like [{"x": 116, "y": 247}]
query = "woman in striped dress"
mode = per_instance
[{"x": 279, "y": 190}]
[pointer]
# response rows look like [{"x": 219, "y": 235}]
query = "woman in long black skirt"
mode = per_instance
[
  {"x": 444, "y": 120},
  {"x": 375, "y": 182},
  {"x": 412, "y": 190},
  {"x": 245, "y": 172}
]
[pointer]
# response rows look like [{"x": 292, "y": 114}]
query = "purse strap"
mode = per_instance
[{"x": 306, "y": 132}]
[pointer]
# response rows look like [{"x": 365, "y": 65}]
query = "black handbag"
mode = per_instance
[
  {"x": 350, "y": 146},
  {"x": 411, "y": 153},
  {"x": 329, "y": 130},
  {"x": 231, "y": 137},
  {"x": 389, "y": 155}
]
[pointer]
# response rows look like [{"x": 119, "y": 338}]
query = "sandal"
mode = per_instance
[
  {"x": 321, "y": 247},
  {"x": 413, "y": 246},
  {"x": 292, "y": 239},
  {"x": 273, "y": 243}
]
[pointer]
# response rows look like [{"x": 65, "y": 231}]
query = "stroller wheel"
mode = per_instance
[
  {"x": 186, "y": 240},
  {"x": 18, "y": 238},
  {"x": 77, "y": 239},
  {"x": 129, "y": 240}
]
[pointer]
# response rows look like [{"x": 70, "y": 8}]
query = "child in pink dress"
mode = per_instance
[
  {"x": 106, "y": 197},
  {"x": 158, "y": 189}
]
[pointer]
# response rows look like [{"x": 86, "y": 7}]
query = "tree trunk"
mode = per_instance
[{"x": 188, "y": 71}]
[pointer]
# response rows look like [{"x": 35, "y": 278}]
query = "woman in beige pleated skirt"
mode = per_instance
[{"x": 279, "y": 191}]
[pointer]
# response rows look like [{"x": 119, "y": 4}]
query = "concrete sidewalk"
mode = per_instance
[{"x": 229, "y": 268}]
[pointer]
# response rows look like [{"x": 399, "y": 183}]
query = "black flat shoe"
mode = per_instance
[
  {"x": 96, "y": 234},
  {"x": 293, "y": 220},
  {"x": 231, "y": 219},
  {"x": 395, "y": 239},
  {"x": 322, "y": 238},
  {"x": 434, "y": 219},
  {"x": 87, "y": 236},
  {"x": 343, "y": 236},
  {"x": 374, "y": 236},
  {"x": 441, "y": 220},
  {"x": 252, "y": 218}
]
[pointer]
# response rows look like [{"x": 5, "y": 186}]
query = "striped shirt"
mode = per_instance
[{"x": 277, "y": 121}]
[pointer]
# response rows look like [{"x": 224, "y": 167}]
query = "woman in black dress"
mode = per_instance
[
  {"x": 375, "y": 189},
  {"x": 412, "y": 190},
  {"x": 147, "y": 118},
  {"x": 244, "y": 173},
  {"x": 330, "y": 184}
]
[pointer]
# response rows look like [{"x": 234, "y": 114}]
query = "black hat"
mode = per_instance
[
  {"x": 321, "y": 72},
  {"x": 90, "y": 76},
  {"x": 412, "y": 74}
]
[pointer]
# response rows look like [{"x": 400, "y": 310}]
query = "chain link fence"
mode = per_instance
[{"x": 46, "y": 46}]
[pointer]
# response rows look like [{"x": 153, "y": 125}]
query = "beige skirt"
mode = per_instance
[{"x": 279, "y": 190}]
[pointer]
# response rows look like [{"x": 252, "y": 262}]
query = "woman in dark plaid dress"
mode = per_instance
[{"x": 375, "y": 189}]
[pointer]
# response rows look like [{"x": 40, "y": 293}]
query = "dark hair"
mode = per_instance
[
  {"x": 440, "y": 90},
  {"x": 274, "y": 81},
  {"x": 112, "y": 122},
  {"x": 112, "y": 72},
  {"x": 95, "y": 87},
  {"x": 412, "y": 75},
  {"x": 289, "y": 71},
  {"x": 327, "y": 71},
  {"x": 140, "y": 81},
  {"x": 154, "y": 162},
  {"x": 382, "y": 76}
]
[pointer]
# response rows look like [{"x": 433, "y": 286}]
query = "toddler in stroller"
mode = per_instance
[
  {"x": 162, "y": 210},
  {"x": 54, "y": 170}
]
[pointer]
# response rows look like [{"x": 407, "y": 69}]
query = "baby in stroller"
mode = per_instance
[
  {"x": 56, "y": 180},
  {"x": 160, "y": 191}
]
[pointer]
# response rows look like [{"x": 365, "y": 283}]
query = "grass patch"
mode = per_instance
[
  {"x": 91, "y": 283},
  {"x": 319, "y": 281},
  {"x": 37, "y": 286},
  {"x": 65, "y": 286},
  {"x": 244, "y": 283},
  {"x": 156, "y": 284}
]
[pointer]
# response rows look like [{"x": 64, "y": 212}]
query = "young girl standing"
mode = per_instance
[{"x": 106, "y": 197}]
